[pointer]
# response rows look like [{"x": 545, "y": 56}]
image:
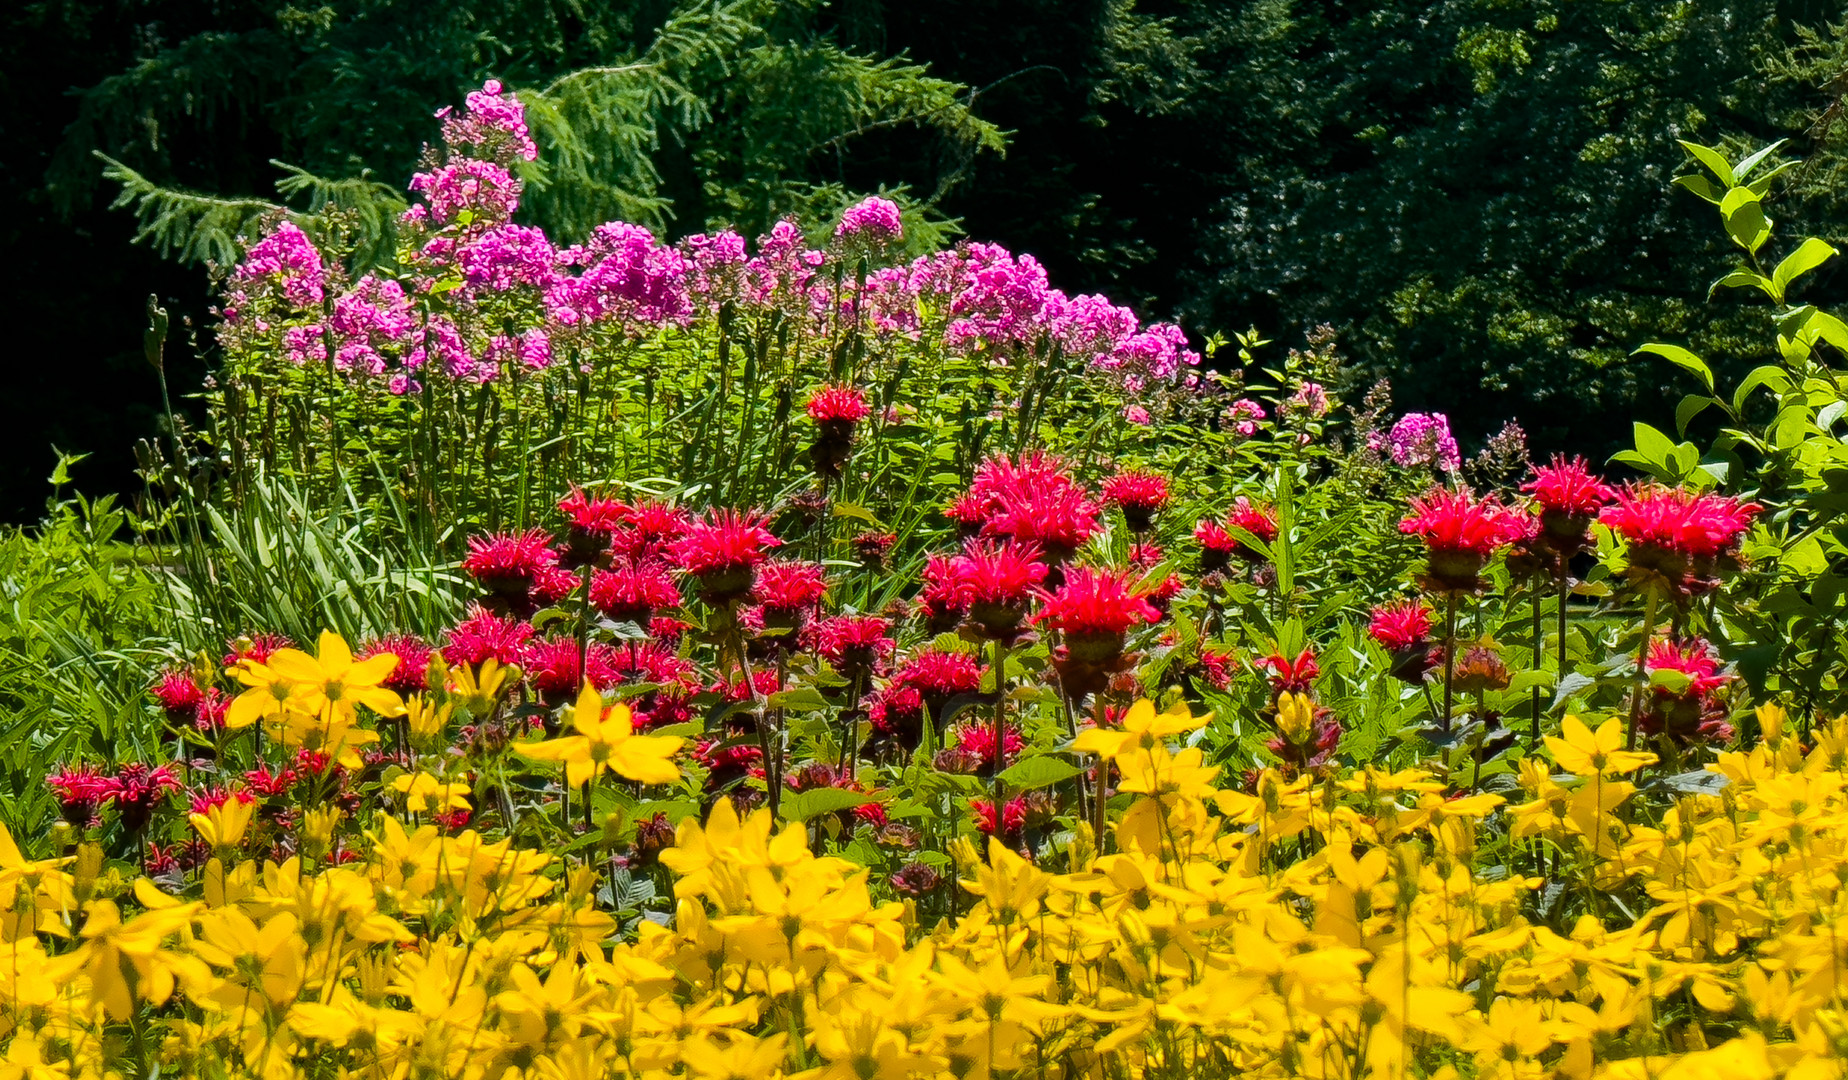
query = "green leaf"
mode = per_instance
[
  {"x": 1745, "y": 219},
  {"x": 1675, "y": 682},
  {"x": 1656, "y": 448},
  {"x": 814, "y": 802},
  {"x": 1743, "y": 278},
  {"x": 1809, "y": 255},
  {"x": 1745, "y": 167},
  {"x": 801, "y": 699},
  {"x": 855, "y": 511},
  {"x": 1038, "y": 772},
  {"x": 1691, "y": 406},
  {"x": 1682, "y": 358},
  {"x": 1768, "y": 375},
  {"x": 1702, "y": 187},
  {"x": 1715, "y": 161}
]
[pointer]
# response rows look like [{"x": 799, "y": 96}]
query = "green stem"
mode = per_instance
[
  {"x": 1000, "y": 761},
  {"x": 1450, "y": 658},
  {"x": 1642, "y": 675}
]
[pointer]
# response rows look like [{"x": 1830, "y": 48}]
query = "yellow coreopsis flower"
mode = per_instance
[
  {"x": 261, "y": 964},
  {"x": 1579, "y": 750},
  {"x": 738, "y": 1058},
  {"x": 425, "y": 792},
  {"x": 269, "y": 696},
  {"x": 223, "y": 826},
  {"x": 606, "y": 741},
  {"x": 333, "y": 682},
  {"x": 1143, "y": 729}
]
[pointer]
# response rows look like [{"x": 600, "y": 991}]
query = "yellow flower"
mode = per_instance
[
  {"x": 1295, "y": 716},
  {"x": 333, "y": 682},
  {"x": 1142, "y": 729},
  {"x": 269, "y": 697},
  {"x": 606, "y": 741},
  {"x": 1579, "y": 750},
  {"x": 739, "y": 1058},
  {"x": 424, "y": 792},
  {"x": 427, "y": 720},
  {"x": 223, "y": 826},
  {"x": 261, "y": 964}
]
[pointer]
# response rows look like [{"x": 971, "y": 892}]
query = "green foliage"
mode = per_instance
[
  {"x": 1776, "y": 442},
  {"x": 84, "y": 630}
]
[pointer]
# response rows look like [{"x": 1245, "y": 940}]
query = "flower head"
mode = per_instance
[
  {"x": 509, "y": 564},
  {"x": 1679, "y": 538},
  {"x": 872, "y": 221},
  {"x": 852, "y": 644},
  {"x": 1092, "y": 607},
  {"x": 1402, "y": 624},
  {"x": 1139, "y": 494},
  {"x": 1460, "y": 533},
  {"x": 408, "y": 676},
  {"x": 839, "y": 405},
  {"x": 993, "y": 583},
  {"x": 722, "y": 551},
  {"x": 632, "y": 591},
  {"x": 484, "y": 636},
  {"x": 1424, "y": 439}
]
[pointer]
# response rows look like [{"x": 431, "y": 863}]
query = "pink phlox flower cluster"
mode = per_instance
[
  {"x": 1242, "y": 416},
  {"x": 506, "y": 256},
  {"x": 488, "y": 191},
  {"x": 1004, "y": 302},
  {"x": 495, "y": 121},
  {"x": 1310, "y": 399},
  {"x": 715, "y": 266},
  {"x": 873, "y": 221},
  {"x": 440, "y": 342},
  {"x": 530, "y": 349},
  {"x": 373, "y": 315},
  {"x": 1424, "y": 439},
  {"x": 628, "y": 275},
  {"x": 782, "y": 271},
  {"x": 1160, "y": 351},
  {"x": 284, "y": 263}
]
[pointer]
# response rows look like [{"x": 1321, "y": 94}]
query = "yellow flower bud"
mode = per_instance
[{"x": 1295, "y": 717}]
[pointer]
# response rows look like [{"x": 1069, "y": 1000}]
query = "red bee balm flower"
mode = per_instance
[
  {"x": 179, "y": 696},
  {"x": 836, "y": 410},
  {"x": 1678, "y": 537},
  {"x": 1569, "y": 498},
  {"x": 1093, "y": 609},
  {"x": 1460, "y": 533},
  {"x": 939, "y": 676},
  {"x": 1030, "y": 500},
  {"x": 852, "y": 644},
  {"x": 1140, "y": 495},
  {"x": 1402, "y": 624},
  {"x": 484, "y": 635},
  {"x": 1403, "y": 628},
  {"x": 843, "y": 406},
  {"x": 509, "y": 564},
  {"x": 413, "y": 661},
  {"x": 993, "y": 583},
  {"x": 1691, "y": 714},
  {"x": 650, "y": 529},
  {"x": 1290, "y": 676},
  {"x": 1219, "y": 544},
  {"x": 590, "y": 525},
  {"x": 722, "y": 552},
  {"x": 787, "y": 587},
  {"x": 633, "y": 592}
]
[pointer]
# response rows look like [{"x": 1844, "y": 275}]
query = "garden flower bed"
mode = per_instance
[{"x": 625, "y": 659}]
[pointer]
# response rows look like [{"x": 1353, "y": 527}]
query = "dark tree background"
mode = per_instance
[{"x": 1475, "y": 193}]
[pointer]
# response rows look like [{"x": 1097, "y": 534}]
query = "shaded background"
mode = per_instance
[{"x": 1474, "y": 193}]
